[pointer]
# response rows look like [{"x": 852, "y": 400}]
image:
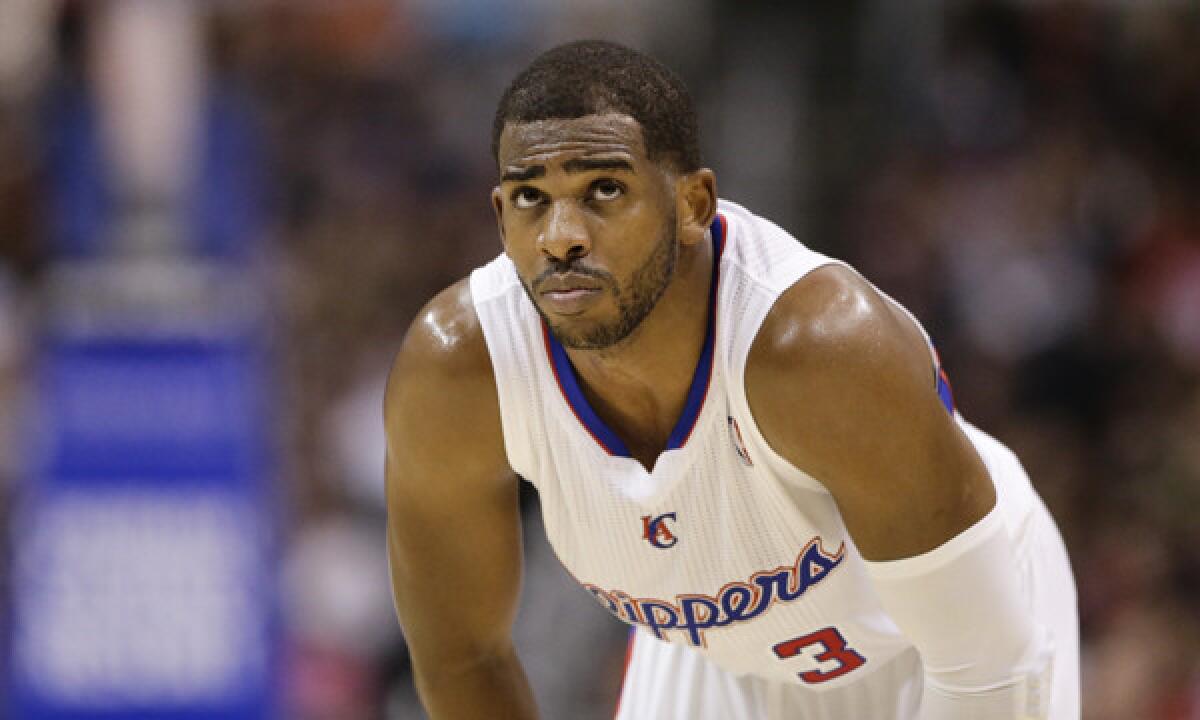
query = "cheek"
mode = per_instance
[
  {"x": 516, "y": 241},
  {"x": 524, "y": 258}
]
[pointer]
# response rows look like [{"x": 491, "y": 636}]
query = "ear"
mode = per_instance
[
  {"x": 498, "y": 207},
  {"x": 695, "y": 205}
]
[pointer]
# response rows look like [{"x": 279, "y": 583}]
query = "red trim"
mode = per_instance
[
  {"x": 625, "y": 670},
  {"x": 562, "y": 391},
  {"x": 949, "y": 388}
]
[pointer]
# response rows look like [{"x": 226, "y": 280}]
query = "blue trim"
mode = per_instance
[
  {"x": 941, "y": 380},
  {"x": 703, "y": 372},
  {"x": 569, "y": 382},
  {"x": 943, "y": 391}
]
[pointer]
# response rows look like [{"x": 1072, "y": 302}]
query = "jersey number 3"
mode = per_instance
[{"x": 826, "y": 646}]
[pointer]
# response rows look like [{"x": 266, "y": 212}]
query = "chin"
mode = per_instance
[
  {"x": 591, "y": 337},
  {"x": 574, "y": 334}
]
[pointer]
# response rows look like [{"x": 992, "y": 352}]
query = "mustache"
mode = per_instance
[{"x": 575, "y": 267}]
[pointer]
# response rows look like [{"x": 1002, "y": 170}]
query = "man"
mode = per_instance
[{"x": 741, "y": 447}]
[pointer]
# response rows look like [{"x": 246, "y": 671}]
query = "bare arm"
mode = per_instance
[
  {"x": 842, "y": 386},
  {"x": 454, "y": 541}
]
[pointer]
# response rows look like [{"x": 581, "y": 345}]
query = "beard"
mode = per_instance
[{"x": 634, "y": 301}]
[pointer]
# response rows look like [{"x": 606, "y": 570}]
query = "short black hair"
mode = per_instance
[{"x": 590, "y": 77}]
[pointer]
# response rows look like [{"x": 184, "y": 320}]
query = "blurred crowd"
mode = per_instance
[
  {"x": 1037, "y": 202},
  {"x": 1025, "y": 177}
]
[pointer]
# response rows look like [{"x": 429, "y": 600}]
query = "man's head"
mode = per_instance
[
  {"x": 600, "y": 187},
  {"x": 593, "y": 77}
]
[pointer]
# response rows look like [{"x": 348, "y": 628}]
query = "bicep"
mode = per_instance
[
  {"x": 911, "y": 481},
  {"x": 454, "y": 540},
  {"x": 853, "y": 403},
  {"x": 865, "y": 419},
  {"x": 455, "y": 558}
]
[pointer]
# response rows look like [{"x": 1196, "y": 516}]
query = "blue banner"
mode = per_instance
[{"x": 143, "y": 570}]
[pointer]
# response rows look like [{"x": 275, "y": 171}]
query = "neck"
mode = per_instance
[{"x": 639, "y": 386}]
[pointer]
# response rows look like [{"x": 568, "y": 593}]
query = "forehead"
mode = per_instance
[{"x": 543, "y": 141}]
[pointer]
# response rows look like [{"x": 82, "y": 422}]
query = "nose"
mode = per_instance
[{"x": 565, "y": 235}]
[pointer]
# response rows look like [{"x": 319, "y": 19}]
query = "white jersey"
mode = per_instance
[{"x": 724, "y": 547}]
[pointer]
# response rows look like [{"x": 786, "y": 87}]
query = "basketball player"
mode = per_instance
[{"x": 742, "y": 448}]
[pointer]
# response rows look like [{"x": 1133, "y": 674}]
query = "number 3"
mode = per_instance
[{"x": 833, "y": 648}]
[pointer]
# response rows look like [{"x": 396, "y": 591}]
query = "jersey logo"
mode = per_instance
[
  {"x": 656, "y": 532},
  {"x": 739, "y": 601},
  {"x": 735, "y": 436}
]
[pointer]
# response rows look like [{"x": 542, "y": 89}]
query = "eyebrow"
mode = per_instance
[
  {"x": 584, "y": 164},
  {"x": 574, "y": 165},
  {"x": 523, "y": 174}
]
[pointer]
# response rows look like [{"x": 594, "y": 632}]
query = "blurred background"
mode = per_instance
[{"x": 218, "y": 218}]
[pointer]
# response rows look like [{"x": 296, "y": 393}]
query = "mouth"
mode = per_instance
[{"x": 569, "y": 294}]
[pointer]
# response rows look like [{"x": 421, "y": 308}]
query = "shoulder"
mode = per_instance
[
  {"x": 445, "y": 337},
  {"x": 441, "y": 392},
  {"x": 841, "y": 384},
  {"x": 833, "y": 362},
  {"x": 834, "y": 322}
]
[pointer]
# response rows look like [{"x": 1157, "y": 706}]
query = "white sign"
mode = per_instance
[{"x": 137, "y": 597}]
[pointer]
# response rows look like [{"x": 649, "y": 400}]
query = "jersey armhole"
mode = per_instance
[{"x": 747, "y": 331}]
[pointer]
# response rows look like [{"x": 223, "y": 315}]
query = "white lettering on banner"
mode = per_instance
[{"x": 135, "y": 598}]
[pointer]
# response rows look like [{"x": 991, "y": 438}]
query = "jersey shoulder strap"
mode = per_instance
[{"x": 511, "y": 330}]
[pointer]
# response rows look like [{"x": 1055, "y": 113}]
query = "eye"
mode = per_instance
[
  {"x": 607, "y": 190},
  {"x": 526, "y": 197}
]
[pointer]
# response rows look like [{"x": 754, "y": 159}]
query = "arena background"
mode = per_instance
[{"x": 217, "y": 219}]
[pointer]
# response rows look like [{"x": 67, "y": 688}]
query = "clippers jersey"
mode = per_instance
[{"x": 724, "y": 547}]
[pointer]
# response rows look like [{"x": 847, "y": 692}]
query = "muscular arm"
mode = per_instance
[
  {"x": 454, "y": 542},
  {"x": 842, "y": 386}
]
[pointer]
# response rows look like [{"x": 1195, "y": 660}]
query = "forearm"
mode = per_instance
[
  {"x": 960, "y": 605},
  {"x": 491, "y": 687}
]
